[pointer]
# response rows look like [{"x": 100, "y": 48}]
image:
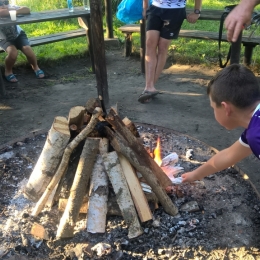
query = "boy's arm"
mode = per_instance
[
  {"x": 218, "y": 162},
  {"x": 193, "y": 17},
  {"x": 23, "y": 10},
  {"x": 4, "y": 12}
]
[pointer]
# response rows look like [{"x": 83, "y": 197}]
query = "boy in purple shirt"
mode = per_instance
[{"x": 234, "y": 95}]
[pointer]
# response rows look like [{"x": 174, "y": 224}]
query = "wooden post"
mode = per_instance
[
  {"x": 99, "y": 51},
  {"x": 143, "y": 44},
  {"x": 2, "y": 86},
  {"x": 235, "y": 50},
  {"x": 109, "y": 19}
]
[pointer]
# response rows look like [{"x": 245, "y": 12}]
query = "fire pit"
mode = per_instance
[{"x": 218, "y": 218}]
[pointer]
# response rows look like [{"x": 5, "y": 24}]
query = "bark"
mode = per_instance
[
  {"x": 144, "y": 161},
  {"x": 65, "y": 159},
  {"x": 98, "y": 195},
  {"x": 46, "y": 166},
  {"x": 123, "y": 195},
  {"x": 78, "y": 189},
  {"x": 131, "y": 126},
  {"x": 136, "y": 159},
  {"x": 135, "y": 188}
]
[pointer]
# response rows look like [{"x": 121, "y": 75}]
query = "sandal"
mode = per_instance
[
  {"x": 146, "y": 96},
  {"x": 38, "y": 73},
  {"x": 10, "y": 77}
]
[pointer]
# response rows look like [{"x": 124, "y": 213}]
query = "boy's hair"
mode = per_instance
[{"x": 235, "y": 84}]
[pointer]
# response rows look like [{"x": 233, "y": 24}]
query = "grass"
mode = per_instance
[{"x": 182, "y": 50}]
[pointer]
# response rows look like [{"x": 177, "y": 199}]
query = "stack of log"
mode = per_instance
[{"x": 97, "y": 168}]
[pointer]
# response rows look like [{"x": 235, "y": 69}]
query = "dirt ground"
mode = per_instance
[{"x": 32, "y": 104}]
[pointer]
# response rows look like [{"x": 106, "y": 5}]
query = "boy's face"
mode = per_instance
[
  {"x": 4, "y": 4},
  {"x": 222, "y": 114}
]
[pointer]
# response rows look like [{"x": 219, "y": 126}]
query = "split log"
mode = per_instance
[
  {"x": 131, "y": 126},
  {"x": 138, "y": 161},
  {"x": 98, "y": 194},
  {"x": 47, "y": 164},
  {"x": 65, "y": 159},
  {"x": 123, "y": 195},
  {"x": 83, "y": 208},
  {"x": 135, "y": 188},
  {"x": 78, "y": 189},
  {"x": 76, "y": 117},
  {"x": 145, "y": 161},
  {"x": 91, "y": 104}
]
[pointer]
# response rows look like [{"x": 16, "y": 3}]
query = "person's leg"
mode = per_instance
[
  {"x": 162, "y": 54},
  {"x": 151, "y": 59},
  {"x": 22, "y": 43},
  {"x": 10, "y": 59}
]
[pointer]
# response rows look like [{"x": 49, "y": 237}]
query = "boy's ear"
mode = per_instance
[{"x": 227, "y": 107}]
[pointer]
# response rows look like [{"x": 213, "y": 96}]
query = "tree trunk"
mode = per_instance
[
  {"x": 65, "y": 159},
  {"x": 78, "y": 189},
  {"x": 124, "y": 199},
  {"x": 46, "y": 166}
]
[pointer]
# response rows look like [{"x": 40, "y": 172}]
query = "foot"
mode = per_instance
[
  {"x": 39, "y": 74},
  {"x": 11, "y": 78},
  {"x": 147, "y": 96}
]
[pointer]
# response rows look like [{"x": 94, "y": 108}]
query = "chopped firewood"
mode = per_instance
[
  {"x": 124, "y": 142},
  {"x": 65, "y": 159},
  {"x": 123, "y": 195},
  {"x": 46, "y": 166},
  {"x": 135, "y": 188},
  {"x": 86, "y": 118},
  {"x": 83, "y": 209},
  {"x": 91, "y": 104},
  {"x": 76, "y": 116},
  {"x": 78, "y": 189},
  {"x": 50, "y": 200},
  {"x": 145, "y": 161},
  {"x": 39, "y": 231},
  {"x": 73, "y": 128},
  {"x": 98, "y": 195},
  {"x": 131, "y": 126}
]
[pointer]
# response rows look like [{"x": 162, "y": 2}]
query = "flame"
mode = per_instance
[{"x": 157, "y": 152}]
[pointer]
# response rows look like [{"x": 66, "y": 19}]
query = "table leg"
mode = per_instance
[
  {"x": 235, "y": 50},
  {"x": 2, "y": 86}
]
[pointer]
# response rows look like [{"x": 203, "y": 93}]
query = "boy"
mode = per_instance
[
  {"x": 13, "y": 38},
  {"x": 234, "y": 95}
]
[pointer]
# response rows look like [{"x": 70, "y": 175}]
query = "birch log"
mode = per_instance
[
  {"x": 137, "y": 160},
  {"x": 65, "y": 159},
  {"x": 98, "y": 193},
  {"x": 124, "y": 199},
  {"x": 135, "y": 188},
  {"x": 78, "y": 189},
  {"x": 47, "y": 164},
  {"x": 76, "y": 116}
]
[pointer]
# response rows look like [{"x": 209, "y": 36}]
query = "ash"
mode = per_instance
[{"x": 219, "y": 218}]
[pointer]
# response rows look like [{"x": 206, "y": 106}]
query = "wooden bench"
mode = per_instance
[
  {"x": 45, "y": 39},
  {"x": 249, "y": 43}
]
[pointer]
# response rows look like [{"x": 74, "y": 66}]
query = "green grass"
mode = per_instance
[{"x": 181, "y": 50}]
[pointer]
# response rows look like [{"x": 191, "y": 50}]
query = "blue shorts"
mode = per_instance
[
  {"x": 167, "y": 21},
  {"x": 19, "y": 42}
]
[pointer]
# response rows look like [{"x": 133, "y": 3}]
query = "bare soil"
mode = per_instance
[{"x": 227, "y": 223}]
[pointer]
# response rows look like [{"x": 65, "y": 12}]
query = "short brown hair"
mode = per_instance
[{"x": 235, "y": 84}]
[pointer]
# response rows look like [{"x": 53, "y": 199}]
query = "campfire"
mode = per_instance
[{"x": 112, "y": 154}]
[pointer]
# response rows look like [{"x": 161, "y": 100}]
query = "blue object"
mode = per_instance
[
  {"x": 130, "y": 11},
  {"x": 70, "y": 5}
]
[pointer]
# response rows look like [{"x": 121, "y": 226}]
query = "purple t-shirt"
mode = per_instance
[{"x": 251, "y": 136}]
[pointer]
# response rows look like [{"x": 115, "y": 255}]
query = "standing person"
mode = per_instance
[
  {"x": 234, "y": 95},
  {"x": 239, "y": 18},
  {"x": 164, "y": 20},
  {"x": 12, "y": 39}
]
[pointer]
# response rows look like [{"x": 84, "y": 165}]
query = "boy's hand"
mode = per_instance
[
  {"x": 192, "y": 17},
  {"x": 189, "y": 177}
]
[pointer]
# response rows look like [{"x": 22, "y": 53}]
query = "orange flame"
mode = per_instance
[{"x": 157, "y": 152}]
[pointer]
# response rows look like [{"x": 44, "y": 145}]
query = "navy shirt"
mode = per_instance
[{"x": 251, "y": 136}]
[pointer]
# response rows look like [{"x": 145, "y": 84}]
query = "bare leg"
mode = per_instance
[
  {"x": 10, "y": 59},
  {"x": 28, "y": 52}
]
